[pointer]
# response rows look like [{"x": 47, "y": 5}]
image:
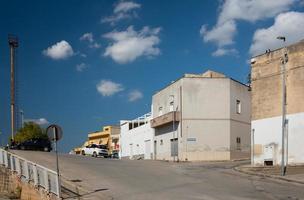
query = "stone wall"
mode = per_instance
[{"x": 267, "y": 82}]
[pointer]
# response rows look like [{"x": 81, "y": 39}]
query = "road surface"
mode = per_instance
[{"x": 136, "y": 180}]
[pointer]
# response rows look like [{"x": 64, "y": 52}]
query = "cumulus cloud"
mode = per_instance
[
  {"x": 122, "y": 10},
  {"x": 129, "y": 45},
  {"x": 60, "y": 50},
  {"x": 223, "y": 33},
  {"x": 40, "y": 121},
  {"x": 108, "y": 88},
  {"x": 89, "y": 37},
  {"x": 286, "y": 24},
  {"x": 135, "y": 95},
  {"x": 81, "y": 67}
]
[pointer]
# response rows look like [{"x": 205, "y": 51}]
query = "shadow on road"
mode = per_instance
[{"x": 69, "y": 194}]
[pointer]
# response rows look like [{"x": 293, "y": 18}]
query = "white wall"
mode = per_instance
[
  {"x": 137, "y": 137},
  {"x": 269, "y": 132}
]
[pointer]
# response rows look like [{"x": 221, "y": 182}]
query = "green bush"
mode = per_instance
[{"x": 29, "y": 131}]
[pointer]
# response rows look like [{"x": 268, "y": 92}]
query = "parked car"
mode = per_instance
[
  {"x": 115, "y": 154},
  {"x": 95, "y": 150},
  {"x": 34, "y": 144}
]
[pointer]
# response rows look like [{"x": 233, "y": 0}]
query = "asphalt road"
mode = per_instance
[{"x": 100, "y": 178}]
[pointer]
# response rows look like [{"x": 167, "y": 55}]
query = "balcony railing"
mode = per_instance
[{"x": 165, "y": 119}]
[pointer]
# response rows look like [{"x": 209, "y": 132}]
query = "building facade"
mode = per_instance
[
  {"x": 202, "y": 117},
  {"x": 267, "y": 95},
  {"x": 136, "y": 138},
  {"x": 109, "y": 135}
]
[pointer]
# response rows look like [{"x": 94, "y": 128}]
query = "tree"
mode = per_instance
[{"x": 30, "y": 130}]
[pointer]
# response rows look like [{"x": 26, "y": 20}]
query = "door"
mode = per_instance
[
  {"x": 131, "y": 150},
  {"x": 155, "y": 152},
  {"x": 174, "y": 147},
  {"x": 148, "y": 149}
]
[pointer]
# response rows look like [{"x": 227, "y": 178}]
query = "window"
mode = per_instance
[
  {"x": 160, "y": 111},
  {"x": 171, "y": 106},
  {"x": 238, "y": 107},
  {"x": 238, "y": 143}
]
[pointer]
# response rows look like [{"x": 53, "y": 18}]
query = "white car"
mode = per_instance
[{"x": 95, "y": 150}]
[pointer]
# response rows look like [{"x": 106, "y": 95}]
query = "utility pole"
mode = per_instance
[
  {"x": 13, "y": 44},
  {"x": 283, "y": 69},
  {"x": 173, "y": 129}
]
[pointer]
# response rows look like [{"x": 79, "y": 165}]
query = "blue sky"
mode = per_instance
[{"x": 86, "y": 64}]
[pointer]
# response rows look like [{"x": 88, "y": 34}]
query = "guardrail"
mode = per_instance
[{"x": 31, "y": 172}]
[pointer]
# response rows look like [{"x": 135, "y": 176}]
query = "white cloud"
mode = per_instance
[
  {"x": 81, "y": 67},
  {"x": 90, "y": 38},
  {"x": 123, "y": 10},
  {"x": 224, "y": 51},
  {"x": 223, "y": 33},
  {"x": 87, "y": 37},
  {"x": 129, "y": 45},
  {"x": 40, "y": 121},
  {"x": 60, "y": 50},
  {"x": 108, "y": 88},
  {"x": 286, "y": 24},
  {"x": 135, "y": 95},
  {"x": 125, "y": 6}
]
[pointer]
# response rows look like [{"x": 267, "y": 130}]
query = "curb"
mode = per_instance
[{"x": 239, "y": 169}]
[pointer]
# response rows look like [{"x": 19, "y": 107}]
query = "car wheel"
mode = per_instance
[
  {"x": 46, "y": 149},
  {"x": 22, "y": 147},
  {"x": 83, "y": 153},
  {"x": 94, "y": 154}
]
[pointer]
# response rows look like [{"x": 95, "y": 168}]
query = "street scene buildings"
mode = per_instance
[{"x": 267, "y": 104}]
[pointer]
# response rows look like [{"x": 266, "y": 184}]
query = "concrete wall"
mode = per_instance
[
  {"x": 206, "y": 116},
  {"x": 240, "y": 123},
  {"x": 137, "y": 137},
  {"x": 268, "y": 133}
]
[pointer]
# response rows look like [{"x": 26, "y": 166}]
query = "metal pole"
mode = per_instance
[
  {"x": 57, "y": 163},
  {"x": 284, "y": 61},
  {"x": 12, "y": 91},
  {"x": 252, "y": 147}
]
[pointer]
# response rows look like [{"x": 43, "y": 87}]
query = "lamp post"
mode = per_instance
[{"x": 283, "y": 69}]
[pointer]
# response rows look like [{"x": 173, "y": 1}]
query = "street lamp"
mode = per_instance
[{"x": 283, "y": 69}]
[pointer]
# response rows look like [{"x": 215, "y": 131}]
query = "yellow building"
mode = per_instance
[{"x": 108, "y": 136}]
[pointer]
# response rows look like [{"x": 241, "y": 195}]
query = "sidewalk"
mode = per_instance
[{"x": 294, "y": 174}]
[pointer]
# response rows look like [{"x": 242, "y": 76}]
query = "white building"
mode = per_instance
[
  {"x": 202, "y": 117},
  {"x": 136, "y": 138}
]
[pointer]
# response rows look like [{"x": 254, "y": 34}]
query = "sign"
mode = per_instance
[
  {"x": 191, "y": 139},
  {"x": 54, "y": 132}
]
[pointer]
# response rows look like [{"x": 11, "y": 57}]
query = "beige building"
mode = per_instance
[
  {"x": 109, "y": 136},
  {"x": 202, "y": 117},
  {"x": 266, "y": 75}
]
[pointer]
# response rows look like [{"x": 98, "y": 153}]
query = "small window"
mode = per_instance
[
  {"x": 238, "y": 107},
  {"x": 238, "y": 143},
  {"x": 171, "y": 106},
  {"x": 160, "y": 111}
]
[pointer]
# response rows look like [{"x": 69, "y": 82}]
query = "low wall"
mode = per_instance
[{"x": 12, "y": 186}]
